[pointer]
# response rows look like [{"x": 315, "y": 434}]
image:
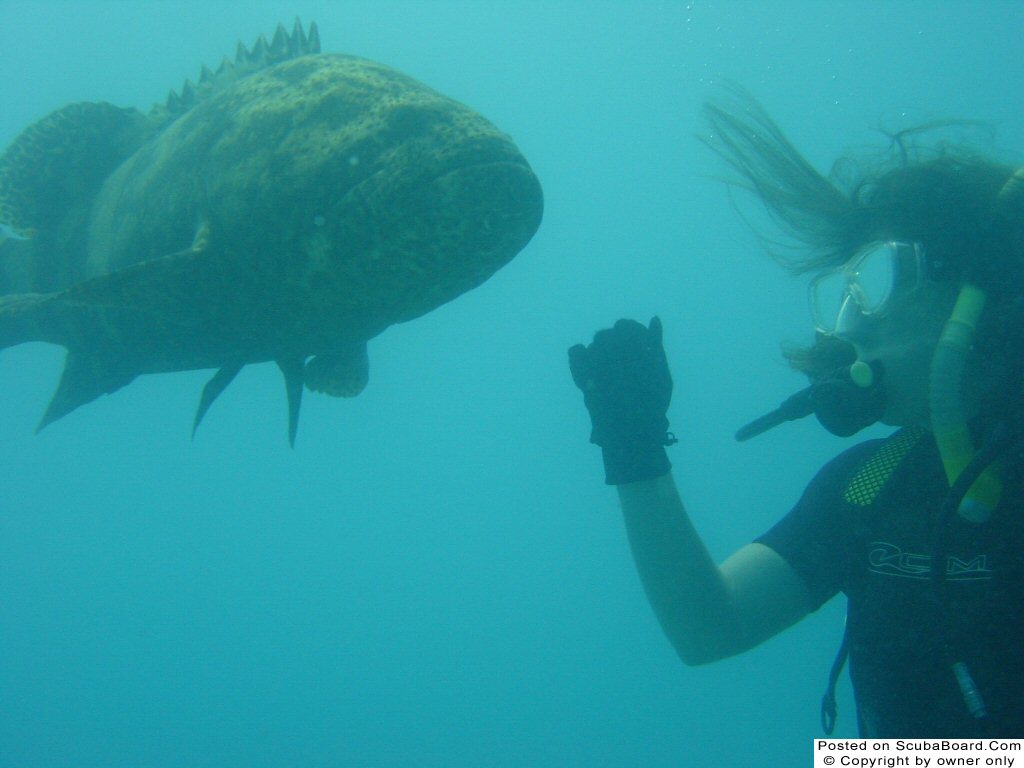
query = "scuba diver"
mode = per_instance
[{"x": 917, "y": 294}]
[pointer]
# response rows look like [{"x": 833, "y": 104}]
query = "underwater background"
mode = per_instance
[{"x": 436, "y": 574}]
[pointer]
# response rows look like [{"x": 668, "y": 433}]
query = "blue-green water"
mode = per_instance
[{"x": 435, "y": 575}]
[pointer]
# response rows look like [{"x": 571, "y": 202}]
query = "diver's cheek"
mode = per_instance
[
  {"x": 868, "y": 337},
  {"x": 904, "y": 408},
  {"x": 907, "y": 370}
]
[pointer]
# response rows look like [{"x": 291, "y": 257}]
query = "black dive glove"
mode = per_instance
[{"x": 627, "y": 388}]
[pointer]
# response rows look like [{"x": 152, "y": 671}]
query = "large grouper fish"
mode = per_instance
[{"x": 288, "y": 207}]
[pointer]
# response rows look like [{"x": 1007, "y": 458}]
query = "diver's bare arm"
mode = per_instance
[{"x": 707, "y": 612}]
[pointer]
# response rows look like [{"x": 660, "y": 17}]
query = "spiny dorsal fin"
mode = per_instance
[
  {"x": 189, "y": 96},
  {"x": 299, "y": 38},
  {"x": 279, "y": 45},
  {"x": 283, "y": 47},
  {"x": 212, "y": 390},
  {"x": 259, "y": 51},
  {"x": 313, "y": 42}
]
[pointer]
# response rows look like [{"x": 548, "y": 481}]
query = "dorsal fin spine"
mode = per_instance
[
  {"x": 188, "y": 94},
  {"x": 298, "y": 39},
  {"x": 282, "y": 48},
  {"x": 259, "y": 51},
  {"x": 279, "y": 45}
]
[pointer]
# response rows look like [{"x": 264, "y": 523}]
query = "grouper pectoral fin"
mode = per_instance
[
  {"x": 28, "y": 317},
  {"x": 292, "y": 368},
  {"x": 161, "y": 289},
  {"x": 212, "y": 391},
  {"x": 86, "y": 376}
]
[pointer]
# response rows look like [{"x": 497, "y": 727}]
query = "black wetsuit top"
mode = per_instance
[{"x": 878, "y": 555}]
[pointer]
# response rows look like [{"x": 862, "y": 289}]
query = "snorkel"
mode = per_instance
[
  {"x": 945, "y": 402},
  {"x": 949, "y": 422}
]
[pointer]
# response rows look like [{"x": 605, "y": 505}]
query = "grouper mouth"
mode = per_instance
[
  {"x": 390, "y": 189},
  {"x": 463, "y": 226},
  {"x": 486, "y": 180},
  {"x": 501, "y": 197}
]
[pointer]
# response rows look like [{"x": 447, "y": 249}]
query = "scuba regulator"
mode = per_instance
[{"x": 845, "y": 402}]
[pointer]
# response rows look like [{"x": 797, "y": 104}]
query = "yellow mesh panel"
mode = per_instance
[{"x": 869, "y": 479}]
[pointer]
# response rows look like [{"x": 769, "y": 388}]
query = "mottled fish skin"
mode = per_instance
[
  {"x": 296, "y": 211},
  {"x": 339, "y": 197}
]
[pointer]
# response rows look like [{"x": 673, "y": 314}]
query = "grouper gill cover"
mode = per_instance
[{"x": 288, "y": 207}]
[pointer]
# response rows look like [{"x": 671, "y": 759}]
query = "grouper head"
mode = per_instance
[{"x": 390, "y": 198}]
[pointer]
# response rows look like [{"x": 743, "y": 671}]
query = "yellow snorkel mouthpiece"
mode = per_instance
[{"x": 949, "y": 423}]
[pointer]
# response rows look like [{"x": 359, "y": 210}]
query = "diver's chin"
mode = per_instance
[
  {"x": 897, "y": 416},
  {"x": 893, "y": 421}
]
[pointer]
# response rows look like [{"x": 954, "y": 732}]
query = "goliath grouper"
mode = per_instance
[{"x": 289, "y": 207}]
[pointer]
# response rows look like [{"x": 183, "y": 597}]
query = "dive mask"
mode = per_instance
[
  {"x": 851, "y": 397},
  {"x": 865, "y": 286}
]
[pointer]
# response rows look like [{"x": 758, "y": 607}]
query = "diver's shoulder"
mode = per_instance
[{"x": 890, "y": 449}]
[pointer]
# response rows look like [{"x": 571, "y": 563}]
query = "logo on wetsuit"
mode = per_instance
[{"x": 890, "y": 560}]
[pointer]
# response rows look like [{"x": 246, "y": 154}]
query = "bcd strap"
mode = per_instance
[
  {"x": 862, "y": 491},
  {"x": 828, "y": 701}
]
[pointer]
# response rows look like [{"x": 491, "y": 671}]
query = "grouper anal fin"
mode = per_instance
[
  {"x": 86, "y": 376},
  {"x": 292, "y": 368}
]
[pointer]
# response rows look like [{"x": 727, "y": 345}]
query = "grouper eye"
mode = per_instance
[{"x": 412, "y": 118}]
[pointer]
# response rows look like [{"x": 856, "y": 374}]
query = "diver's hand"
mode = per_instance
[{"x": 627, "y": 389}]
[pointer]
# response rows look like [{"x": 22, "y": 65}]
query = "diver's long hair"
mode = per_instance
[
  {"x": 945, "y": 194},
  {"x": 809, "y": 208}
]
